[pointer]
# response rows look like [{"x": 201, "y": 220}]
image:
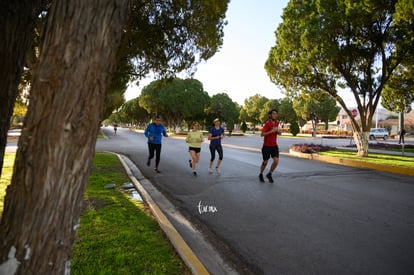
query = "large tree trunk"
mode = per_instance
[
  {"x": 17, "y": 22},
  {"x": 360, "y": 132},
  {"x": 44, "y": 201},
  {"x": 361, "y": 141}
]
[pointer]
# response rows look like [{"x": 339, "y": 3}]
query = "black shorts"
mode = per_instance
[
  {"x": 268, "y": 152},
  {"x": 195, "y": 149}
]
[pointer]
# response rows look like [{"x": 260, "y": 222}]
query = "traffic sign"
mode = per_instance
[{"x": 354, "y": 112}]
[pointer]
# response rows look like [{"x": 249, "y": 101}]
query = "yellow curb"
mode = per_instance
[
  {"x": 177, "y": 241},
  {"x": 355, "y": 163}
]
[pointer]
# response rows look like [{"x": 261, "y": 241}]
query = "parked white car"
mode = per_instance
[{"x": 378, "y": 133}]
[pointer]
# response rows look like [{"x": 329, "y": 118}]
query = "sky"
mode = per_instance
[{"x": 238, "y": 68}]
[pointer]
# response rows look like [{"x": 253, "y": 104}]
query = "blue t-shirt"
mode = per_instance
[
  {"x": 156, "y": 131},
  {"x": 215, "y": 133}
]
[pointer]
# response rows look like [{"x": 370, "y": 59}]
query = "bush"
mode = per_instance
[
  {"x": 243, "y": 127},
  {"x": 294, "y": 128}
]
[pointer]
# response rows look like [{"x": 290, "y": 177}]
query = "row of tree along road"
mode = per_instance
[{"x": 181, "y": 101}]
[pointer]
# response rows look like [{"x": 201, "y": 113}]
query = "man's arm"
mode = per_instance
[{"x": 270, "y": 132}]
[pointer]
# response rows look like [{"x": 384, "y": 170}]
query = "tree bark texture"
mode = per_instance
[
  {"x": 361, "y": 141},
  {"x": 17, "y": 23},
  {"x": 361, "y": 132},
  {"x": 44, "y": 201}
]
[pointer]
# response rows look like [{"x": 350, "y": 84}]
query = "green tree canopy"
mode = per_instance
[
  {"x": 175, "y": 99},
  {"x": 196, "y": 100},
  {"x": 253, "y": 106},
  {"x": 165, "y": 37},
  {"x": 115, "y": 95},
  {"x": 243, "y": 115},
  {"x": 222, "y": 107},
  {"x": 316, "y": 107},
  {"x": 398, "y": 93},
  {"x": 345, "y": 45},
  {"x": 286, "y": 113},
  {"x": 306, "y": 108},
  {"x": 405, "y": 10},
  {"x": 326, "y": 110},
  {"x": 134, "y": 113}
]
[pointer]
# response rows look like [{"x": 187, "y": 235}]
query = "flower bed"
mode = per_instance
[{"x": 310, "y": 148}]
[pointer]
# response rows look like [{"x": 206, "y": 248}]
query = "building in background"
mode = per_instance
[{"x": 382, "y": 119}]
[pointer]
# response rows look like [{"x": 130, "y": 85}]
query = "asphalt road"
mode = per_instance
[{"x": 317, "y": 218}]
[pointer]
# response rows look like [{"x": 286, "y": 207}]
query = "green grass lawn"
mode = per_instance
[
  {"x": 116, "y": 233},
  {"x": 406, "y": 150},
  {"x": 392, "y": 160}
]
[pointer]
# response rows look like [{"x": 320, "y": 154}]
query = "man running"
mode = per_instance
[
  {"x": 154, "y": 133},
  {"x": 270, "y": 148}
]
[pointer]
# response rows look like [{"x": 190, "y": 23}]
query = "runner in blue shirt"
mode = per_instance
[
  {"x": 154, "y": 133},
  {"x": 215, "y": 135}
]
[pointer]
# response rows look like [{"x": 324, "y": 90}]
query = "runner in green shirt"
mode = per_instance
[{"x": 194, "y": 139}]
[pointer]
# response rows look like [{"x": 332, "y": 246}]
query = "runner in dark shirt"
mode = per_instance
[{"x": 215, "y": 135}]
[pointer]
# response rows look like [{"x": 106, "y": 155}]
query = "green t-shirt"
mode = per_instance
[{"x": 194, "y": 139}]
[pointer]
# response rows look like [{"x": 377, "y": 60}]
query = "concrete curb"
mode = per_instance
[
  {"x": 354, "y": 163},
  {"x": 177, "y": 241}
]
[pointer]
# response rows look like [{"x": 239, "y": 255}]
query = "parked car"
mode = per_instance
[{"x": 378, "y": 133}]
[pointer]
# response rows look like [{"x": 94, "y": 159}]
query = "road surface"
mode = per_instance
[{"x": 317, "y": 218}]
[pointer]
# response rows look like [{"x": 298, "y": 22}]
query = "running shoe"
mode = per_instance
[
  {"x": 261, "y": 178},
  {"x": 269, "y": 177},
  {"x": 210, "y": 171},
  {"x": 194, "y": 173},
  {"x": 217, "y": 171},
  {"x": 157, "y": 171}
]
